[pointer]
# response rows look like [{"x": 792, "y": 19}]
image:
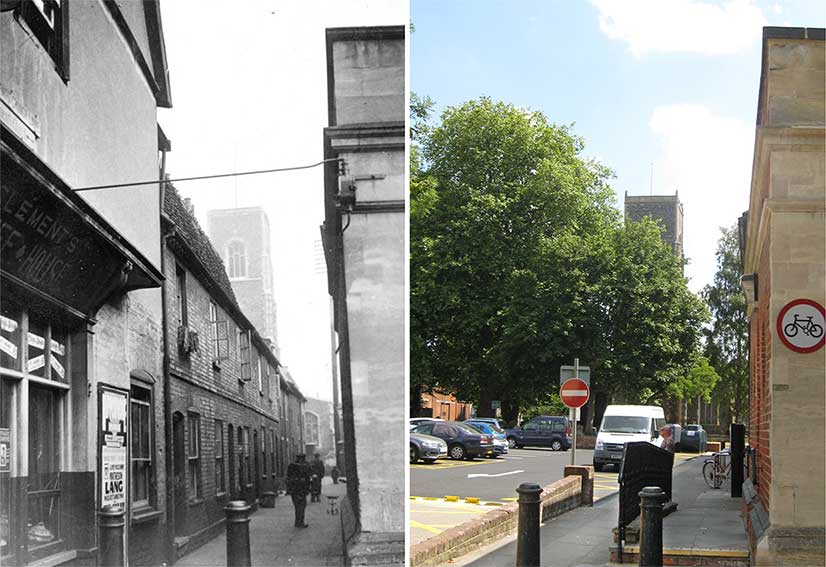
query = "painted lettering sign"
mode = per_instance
[
  {"x": 47, "y": 245},
  {"x": 113, "y": 481}
]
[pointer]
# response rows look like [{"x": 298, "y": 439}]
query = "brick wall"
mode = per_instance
[
  {"x": 759, "y": 388},
  {"x": 248, "y": 411}
]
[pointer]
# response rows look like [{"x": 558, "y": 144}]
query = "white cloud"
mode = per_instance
[
  {"x": 684, "y": 26},
  {"x": 707, "y": 158}
]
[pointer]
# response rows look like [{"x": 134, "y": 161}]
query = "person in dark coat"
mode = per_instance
[
  {"x": 317, "y": 467},
  {"x": 298, "y": 483},
  {"x": 334, "y": 474}
]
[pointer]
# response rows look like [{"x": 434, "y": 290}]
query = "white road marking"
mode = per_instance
[{"x": 493, "y": 475}]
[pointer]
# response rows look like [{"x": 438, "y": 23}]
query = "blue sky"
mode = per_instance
[{"x": 668, "y": 82}]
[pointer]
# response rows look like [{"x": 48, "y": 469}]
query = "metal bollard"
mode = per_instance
[
  {"x": 238, "y": 534},
  {"x": 527, "y": 541},
  {"x": 651, "y": 526},
  {"x": 738, "y": 449},
  {"x": 111, "y": 536}
]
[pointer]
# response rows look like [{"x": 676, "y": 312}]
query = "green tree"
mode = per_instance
[
  {"x": 726, "y": 344},
  {"x": 520, "y": 262}
]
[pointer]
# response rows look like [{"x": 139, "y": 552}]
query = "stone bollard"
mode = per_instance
[
  {"x": 651, "y": 526},
  {"x": 586, "y": 473},
  {"x": 238, "y": 534},
  {"x": 111, "y": 536},
  {"x": 527, "y": 539}
]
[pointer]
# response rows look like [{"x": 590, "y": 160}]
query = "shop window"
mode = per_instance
[
  {"x": 220, "y": 479},
  {"x": 245, "y": 355},
  {"x": 6, "y": 392},
  {"x": 48, "y": 22},
  {"x": 236, "y": 259},
  {"x": 142, "y": 446},
  {"x": 193, "y": 455},
  {"x": 9, "y": 342},
  {"x": 44, "y": 490}
]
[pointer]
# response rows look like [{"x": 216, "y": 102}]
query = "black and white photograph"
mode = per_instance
[{"x": 202, "y": 359}]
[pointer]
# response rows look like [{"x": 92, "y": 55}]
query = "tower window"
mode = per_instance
[{"x": 236, "y": 259}]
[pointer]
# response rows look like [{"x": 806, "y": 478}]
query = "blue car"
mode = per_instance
[{"x": 500, "y": 443}]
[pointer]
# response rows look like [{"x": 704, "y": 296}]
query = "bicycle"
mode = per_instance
[
  {"x": 717, "y": 469},
  {"x": 809, "y": 327}
]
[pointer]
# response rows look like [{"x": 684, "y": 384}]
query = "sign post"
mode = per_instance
[{"x": 574, "y": 394}]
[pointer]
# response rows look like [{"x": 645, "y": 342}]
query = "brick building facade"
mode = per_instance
[
  {"x": 230, "y": 409},
  {"x": 785, "y": 256}
]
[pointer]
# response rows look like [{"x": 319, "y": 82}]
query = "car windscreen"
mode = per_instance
[
  {"x": 625, "y": 424},
  {"x": 691, "y": 428}
]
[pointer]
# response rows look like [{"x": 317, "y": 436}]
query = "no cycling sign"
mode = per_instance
[{"x": 800, "y": 325}]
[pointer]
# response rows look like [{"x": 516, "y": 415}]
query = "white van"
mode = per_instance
[{"x": 621, "y": 424}]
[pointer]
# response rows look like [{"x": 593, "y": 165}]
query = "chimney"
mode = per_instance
[{"x": 190, "y": 208}]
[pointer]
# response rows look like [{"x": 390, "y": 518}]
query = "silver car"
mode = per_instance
[{"x": 426, "y": 448}]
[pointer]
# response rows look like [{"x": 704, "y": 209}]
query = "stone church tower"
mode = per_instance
[{"x": 242, "y": 238}]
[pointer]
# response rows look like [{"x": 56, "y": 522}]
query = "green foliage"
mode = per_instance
[
  {"x": 700, "y": 381},
  {"x": 727, "y": 337},
  {"x": 520, "y": 262}
]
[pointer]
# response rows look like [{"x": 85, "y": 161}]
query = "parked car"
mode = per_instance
[
  {"x": 426, "y": 448},
  {"x": 621, "y": 424},
  {"x": 492, "y": 420},
  {"x": 463, "y": 441},
  {"x": 500, "y": 443},
  {"x": 543, "y": 431},
  {"x": 694, "y": 438},
  {"x": 414, "y": 421}
]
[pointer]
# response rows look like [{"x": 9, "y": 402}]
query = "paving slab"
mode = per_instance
[{"x": 275, "y": 541}]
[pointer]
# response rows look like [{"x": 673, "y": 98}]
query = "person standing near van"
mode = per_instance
[{"x": 666, "y": 439}]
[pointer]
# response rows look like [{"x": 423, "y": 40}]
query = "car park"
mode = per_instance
[
  {"x": 542, "y": 431},
  {"x": 463, "y": 441},
  {"x": 500, "y": 443},
  {"x": 426, "y": 448},
  {"x": 694, "y": 438},
  {"x": 622, "y": 424}
]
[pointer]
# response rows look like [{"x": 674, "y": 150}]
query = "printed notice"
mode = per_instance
[
  {"x": 113, "y": 482},
  {"x": 8, "y": 347},
  {"x": 5, "y": 450}
]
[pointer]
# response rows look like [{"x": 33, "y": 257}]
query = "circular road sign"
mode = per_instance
[
  {"x": 574, "y": 393},
  {"x": 800, "y": 325}
]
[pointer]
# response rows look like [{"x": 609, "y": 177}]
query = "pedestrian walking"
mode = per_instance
[
  {"x": 317, "y": 467},
  {"x": 334, "y": 474},
  {"x": 298, "y": 483}
]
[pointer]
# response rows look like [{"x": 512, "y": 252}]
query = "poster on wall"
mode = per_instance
[
  {"x": 114, "y": 409},
  {"x": 5, "y": 450}
]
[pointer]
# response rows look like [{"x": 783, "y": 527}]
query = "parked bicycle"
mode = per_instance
[
  {"x": 717, "y": 469},
  {"x": 809, "y": 327}
]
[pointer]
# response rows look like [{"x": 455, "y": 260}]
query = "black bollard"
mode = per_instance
[
  {"x": 238, "y": 534},
  {"x": 738, "y": 450},
  {"x": 651, "y": 526},
  {"x": 111, "y": 536},
  {"x": 527, "y": 542}
]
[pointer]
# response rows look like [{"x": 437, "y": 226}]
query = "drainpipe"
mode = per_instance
[{"x": 169, "y": 536}]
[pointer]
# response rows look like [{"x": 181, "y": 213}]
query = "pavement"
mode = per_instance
[
  {"x": 274, "y": 540},
  {"x": 447, "y": 493},
  {"x": 707, "y": 522}
]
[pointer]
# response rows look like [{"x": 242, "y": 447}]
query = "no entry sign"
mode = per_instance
[
  {"x": 800, "y": 325},
  {"x": 574, "y": 393}
]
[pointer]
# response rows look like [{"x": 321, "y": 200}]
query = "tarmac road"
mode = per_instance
[{"x": 497, "y": 479}]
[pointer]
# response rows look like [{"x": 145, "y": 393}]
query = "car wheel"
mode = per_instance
[
  {"x": 556, "y": 445},
  {"x": 457, "y": 452},
  {"x": 511, "y": 442},
  {"x": 414, "y": 454},
  {"x": 598, "y": 467}
]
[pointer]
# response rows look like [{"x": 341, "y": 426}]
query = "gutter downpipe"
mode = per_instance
[{"x": 169, "y": 537}]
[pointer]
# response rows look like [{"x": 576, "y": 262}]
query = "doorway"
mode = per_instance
[{"x": 179, "y": 472}]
